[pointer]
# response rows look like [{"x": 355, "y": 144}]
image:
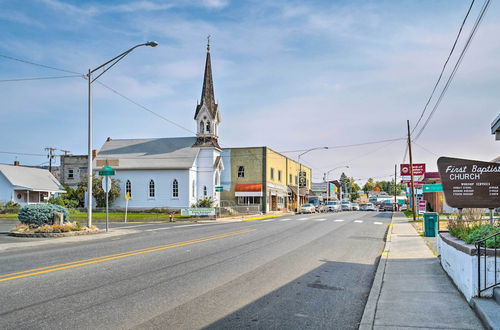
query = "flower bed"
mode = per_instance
[{"x": 64, "y": 230}]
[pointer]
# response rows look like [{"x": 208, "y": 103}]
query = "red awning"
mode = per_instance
[{"x": 248, "y": 187}]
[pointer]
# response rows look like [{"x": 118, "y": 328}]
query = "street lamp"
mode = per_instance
[
  {"x": 325, "y": 178},
  {"x": 300, "y": 170},
  {"x": 90, "y": 80}
]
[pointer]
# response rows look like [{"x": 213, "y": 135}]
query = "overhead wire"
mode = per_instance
[
  {"x": 39, "y": 78},
  {"x": 455, "y": 68},
  {"x": 444, "y": 66}
]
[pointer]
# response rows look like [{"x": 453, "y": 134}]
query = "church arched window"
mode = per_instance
[
  {"x": 128, "y": 188},
  {"x": 175, "y": 188},
  {"x": 208, "y": 126},
  {"x": 205, "y": 192},
  {"x": 202, "y": 127},
  {"x": 151, "y": 189}
]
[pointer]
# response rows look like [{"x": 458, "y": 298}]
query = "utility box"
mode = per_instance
[{"x": 431, "y": 227}]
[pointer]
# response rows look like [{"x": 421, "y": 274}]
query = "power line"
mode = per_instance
[
  {"x": 444, "y": 67},
  {"x": 144, "y": 108},
  {"x": 425, "y": 149},
  {"x": 348, "y": 145},
  {"x": 457, "y": 65},
  {"x": 39, "y": 78},
  {"x": 21, "y": 153},
  {"x": 38, "y": 64}
]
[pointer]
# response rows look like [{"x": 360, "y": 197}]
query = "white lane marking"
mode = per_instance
[
  {"x": 155, "y": 229},
  {"x": 285, "y": 219},
  {"x": 148, "y": 224},
  {"x": 323, "y": 219},
  {"x": 267, "y": 220},
  {"x": 377, "y": 223},
  {"x": 358, "y": 221},
  {"x": 181, "y": 226},
  {"x": 338, "y": 220},
  {"x": 301, "y": 219}
]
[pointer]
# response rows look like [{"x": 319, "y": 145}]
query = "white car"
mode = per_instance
[
  {"x": 333, "y": 206},
  {"x": 355, "y": 206},
  {"x": 368, "y": 207},
  {"x": 346, "y": 206},
  {"x": 307, "y": 208}
]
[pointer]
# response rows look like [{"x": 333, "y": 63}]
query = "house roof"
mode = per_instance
[
  {"x": 30, "y": 178},
  {"x": 156, "y": 153}
]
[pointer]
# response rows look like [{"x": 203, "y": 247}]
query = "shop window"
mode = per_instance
[
  {"x": 71, "y": 173},
  {"x": 279, "y": 175},
  {"x": 290, "y": 179},
  {"x": 249, "y": 200}
]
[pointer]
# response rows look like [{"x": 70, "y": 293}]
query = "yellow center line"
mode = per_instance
[{"x": 84, "y": 262}]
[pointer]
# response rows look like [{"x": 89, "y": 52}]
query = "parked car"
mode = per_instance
[
  {"x": 321, "y": 208},
  {"x": 307, "y": 208},
  {"x": 355, "y": 206},
  {"x": 388, "y": 207},
  {"x": 370, "y": 207},
  {"x": 346, "y": 206},
  {"x": 333, "y": 206}
]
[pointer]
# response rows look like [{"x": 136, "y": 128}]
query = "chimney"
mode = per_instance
[
  {"x": 94, "y": 153},
  {"x": 108, "y": 139},
  {"x": 16, "y": 163}
]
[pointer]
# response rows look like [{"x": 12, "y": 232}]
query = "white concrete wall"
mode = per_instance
[
  {"x": 163, "y": 188},
  {"x": 462, "y": 268}
]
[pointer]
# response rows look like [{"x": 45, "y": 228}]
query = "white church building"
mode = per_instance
[{"x": 170, "y": 172}]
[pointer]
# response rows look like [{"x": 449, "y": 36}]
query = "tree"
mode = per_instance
[
  {"x": 205, "y": 202},
  {"x": 369, "y": 186},
  {"x": 97, "y": 191}
]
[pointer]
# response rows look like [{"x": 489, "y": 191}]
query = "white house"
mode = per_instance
[
  {"x": 27, "y": 185},
  {"x": 170, "y": 172}
]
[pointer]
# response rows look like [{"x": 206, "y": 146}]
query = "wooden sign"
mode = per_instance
[{"x": 470, "y": 183}]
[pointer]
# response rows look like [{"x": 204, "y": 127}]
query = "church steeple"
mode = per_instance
[{"x": 207, "y": 113}]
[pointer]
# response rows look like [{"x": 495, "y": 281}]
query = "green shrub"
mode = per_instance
[
  {"x": 41, "y": 214},
  {"x": 64, "y": 202},
  {"x": 10, "y": 207}
]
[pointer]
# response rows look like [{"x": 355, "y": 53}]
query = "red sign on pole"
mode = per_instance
[{"x": 418, "y": 169}]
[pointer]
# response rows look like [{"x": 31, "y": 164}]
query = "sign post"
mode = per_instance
[
  {"x": 470, "y": 183},
  {"x": 127, "y": 198},
  {"x": 107, "y": 171}
]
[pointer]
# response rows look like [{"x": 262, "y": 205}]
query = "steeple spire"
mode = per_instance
[
  {"x": 207, "y": 92},
  {"x": 207, "y": 114}
]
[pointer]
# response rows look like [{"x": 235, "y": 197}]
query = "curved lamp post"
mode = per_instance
[
  {"x": 90, "y": 80},
  {"x": 325, "y": 178},
  {"x": 300, "y": 170}
]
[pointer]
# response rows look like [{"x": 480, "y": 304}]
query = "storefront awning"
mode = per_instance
[
  {"x": 303, "y": 191},
  {"x": 248, "y": 189}
]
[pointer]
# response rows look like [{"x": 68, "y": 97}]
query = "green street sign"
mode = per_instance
[
  {"x": 107, "y": 170},
  {"x": 432, "y": 188},
  {"x": 219, "y": 189}
]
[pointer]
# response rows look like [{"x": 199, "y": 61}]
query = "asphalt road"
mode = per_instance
[{"x": 296, "y": 272}]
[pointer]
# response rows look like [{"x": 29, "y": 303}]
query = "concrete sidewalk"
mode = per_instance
[{"x": 411, "y": 290}]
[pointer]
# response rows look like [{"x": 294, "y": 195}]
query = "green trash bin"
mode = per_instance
[{"x": 431, "y": 224}]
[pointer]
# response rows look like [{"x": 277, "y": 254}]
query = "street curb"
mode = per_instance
[{"x": 368, "y": 319}]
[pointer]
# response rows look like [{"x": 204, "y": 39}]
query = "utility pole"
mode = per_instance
[
  {"x": 413, "y": 199},
  {"x": 66, "y": 152},
  {"x": 50, "y": 156},
  {"x": 395, "y": 190}
]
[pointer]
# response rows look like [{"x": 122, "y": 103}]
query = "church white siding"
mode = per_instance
[{"x": 163, "y": 188}]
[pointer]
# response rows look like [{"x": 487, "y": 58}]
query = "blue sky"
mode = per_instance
[{"x": 288, "y": 74}]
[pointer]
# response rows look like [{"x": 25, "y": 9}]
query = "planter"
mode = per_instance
[
  {"x": 459, "y": 260},
  {"x": 66, "y": 234}
]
